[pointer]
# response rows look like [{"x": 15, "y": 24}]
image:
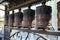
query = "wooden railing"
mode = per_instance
[{"x": 36, "y": 32}]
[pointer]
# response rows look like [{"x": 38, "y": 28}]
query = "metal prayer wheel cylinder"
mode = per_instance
[
  {"x": 11, "y": 20},
  {"x": 58, "y": 14},
  {"x": 58, "y": 6},
  {"x": 28, "y": 17},
  {"x": 18, "y": 19},
  {"x": 43, "y": 15}
]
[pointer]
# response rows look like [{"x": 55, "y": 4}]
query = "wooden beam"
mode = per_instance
[
  {"x": 25, "y": 4},
  {"x": 54, "y": 33}
]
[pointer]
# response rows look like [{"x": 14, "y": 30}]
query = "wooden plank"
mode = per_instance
[
  {"x": 23, "y": 4},
  {"x": 29, "y": 2}
]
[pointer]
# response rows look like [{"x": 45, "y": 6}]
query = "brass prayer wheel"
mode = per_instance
[
  {"x": 11, "y": 20},
  {"x": 28, "y": 17},
  {"x": 43, "y": 15},
  {"x": 18, "y": 17},
  {"x": 58, "y": 14}
]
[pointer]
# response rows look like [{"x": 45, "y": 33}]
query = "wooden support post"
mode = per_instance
[
  {"x": 6, "y": 16},
  {"x": 6, "y": 27}
]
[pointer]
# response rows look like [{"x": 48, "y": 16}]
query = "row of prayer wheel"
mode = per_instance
[{"x": 43, "y": 16}]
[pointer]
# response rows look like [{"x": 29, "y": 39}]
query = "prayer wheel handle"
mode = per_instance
[
  {"x": 29, "y": 6},
  {"x": 19, "y": 9},
  {"x": 43, "y": 2}
]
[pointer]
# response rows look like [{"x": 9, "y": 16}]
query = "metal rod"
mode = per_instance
[
  {"x": 39, "y": 36},
  {"x": 27, "y": 36}
]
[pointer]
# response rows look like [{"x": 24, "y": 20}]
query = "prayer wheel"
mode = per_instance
[
  {"x": 11, "y": 19},
  {"x": 28, "y": 17},
  {"x": 43, "y": 15},
  {"x": 18, "y": 19},
  {"x": 58, "y": 14}
]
